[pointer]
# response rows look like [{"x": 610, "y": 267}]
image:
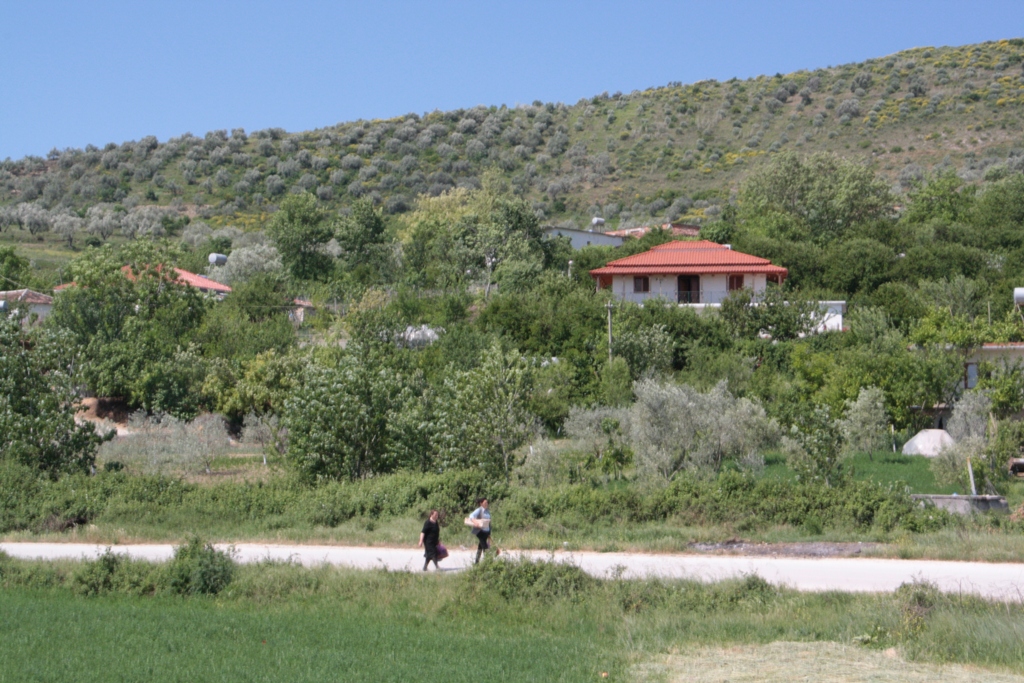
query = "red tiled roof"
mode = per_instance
[
  {"x": 26, "y": 296},
  {"x": 183, "y": 277},
  {"x": 689, "y": 258},
  {"x": 200, "y": 282}
]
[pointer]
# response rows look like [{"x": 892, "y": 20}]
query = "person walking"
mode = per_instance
[
  {"x": 480, "y": 520},
  {"x": 430, "y": 538}
]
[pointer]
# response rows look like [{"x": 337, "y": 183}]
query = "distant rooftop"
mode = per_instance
[
  {"x": 26, "y": 296},
  {"x": 203, "y": 284}
]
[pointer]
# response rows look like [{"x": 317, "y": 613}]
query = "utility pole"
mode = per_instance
[
  {"x": 609, "y": 306},
  {"x": 569, "y": 274}
]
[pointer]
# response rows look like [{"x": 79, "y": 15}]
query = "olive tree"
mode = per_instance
[
  {"x": 103, "y": 220},
  {"x": 144, "y": 221},
  {"x": 675, "y": 427},
  {"x": 34, "y": 218},
  {"x": 247, "y": 262},
  {"x": 969, "y": 428},
  {"x": 863, "y": 427},
  {"x": 66, "y": 224}
]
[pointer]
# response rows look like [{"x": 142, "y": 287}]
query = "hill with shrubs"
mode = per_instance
[{"x": 675, "y": 152}]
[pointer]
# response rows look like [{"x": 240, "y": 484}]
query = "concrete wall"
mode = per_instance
[{"x": 964, "y": 505}]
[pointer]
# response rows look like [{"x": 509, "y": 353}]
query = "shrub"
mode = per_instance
[
  {"x": 524, "y": 579},
  {"x": 112, "y": 573},
  {"x": 275, "y": 185},
  {"x": 199, "y": 569},
  {"x": 850, "y": 107}
]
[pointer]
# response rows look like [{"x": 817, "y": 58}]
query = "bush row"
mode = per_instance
[
  {"x": 196, "y": 569},
  {"x": 28, "y": 502},
  {"x": 729, "y": 498}
]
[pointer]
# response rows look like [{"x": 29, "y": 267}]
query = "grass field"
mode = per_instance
[{"x": 501, "y": 622}]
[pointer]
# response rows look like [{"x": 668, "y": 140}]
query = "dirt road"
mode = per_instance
[{"x": 1003, "y": 581}]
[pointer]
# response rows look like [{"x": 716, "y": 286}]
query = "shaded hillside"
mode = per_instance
[{"x": 669, "y": 152}]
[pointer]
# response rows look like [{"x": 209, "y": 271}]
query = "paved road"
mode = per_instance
[{"x": 1003, "y": 581}]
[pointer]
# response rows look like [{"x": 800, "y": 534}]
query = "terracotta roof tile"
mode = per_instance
[
  {"x": 183, "y": 277},
  {"x": 682, "y": 258}
]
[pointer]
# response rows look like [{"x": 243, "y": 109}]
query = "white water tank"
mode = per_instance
[
  {"x": 218, "y": 259},
  {"x": 1018, "y": 296}
]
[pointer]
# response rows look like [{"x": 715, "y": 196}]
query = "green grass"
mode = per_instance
[
  {"x": 884, "y": 468},
  {"x": 500, "y": 622},
  {"x": 173, "y": 640}
]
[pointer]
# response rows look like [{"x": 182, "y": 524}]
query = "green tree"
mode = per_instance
[
  {"x": 14, "y": 270},
  {"x": 482, "y": 418},
  {"x": 780, "y": 315},
  {"x": 252, "y": 319},
  {"x": 826, "y": 192},
  {"x": 342, "y": 418},
  {"x": 944, "y": 197},
  {"x": 37, "y": 404},
  {"x": 130, "y": 315},
  {"x": 301, "y": 230},
  {"x": 366, "y": 253},
  {"x": 616, "y": 383}
]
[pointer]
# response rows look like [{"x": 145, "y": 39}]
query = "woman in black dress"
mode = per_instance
[{"x": 429, "y": 538}]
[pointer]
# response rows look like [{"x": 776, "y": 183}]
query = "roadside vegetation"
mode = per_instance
[{"x": 535, "y": 620}]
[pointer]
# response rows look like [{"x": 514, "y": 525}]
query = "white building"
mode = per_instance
[
  {"x": 698, "y": 272},
  {"x": 586, "y": 238},
  {"x": 700, "y": 275}
]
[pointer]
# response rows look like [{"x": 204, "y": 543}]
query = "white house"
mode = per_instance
[
  {"x": 697, "y": 272},
  {"x": 700, "y": 275}
]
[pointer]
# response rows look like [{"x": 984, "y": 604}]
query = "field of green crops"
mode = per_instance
[{"x": 502, "y": 621}]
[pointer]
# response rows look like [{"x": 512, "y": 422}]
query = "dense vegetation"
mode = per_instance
[{"x": 452, "y": 340}]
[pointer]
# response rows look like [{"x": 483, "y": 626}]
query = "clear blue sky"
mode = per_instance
[{"x": 73, "y": 73}]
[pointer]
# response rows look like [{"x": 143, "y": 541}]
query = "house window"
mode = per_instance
[
  {"x": 735, "y": 282},
  {"x": 641, "y": 284},
  {"x": 970, "y": 375}
]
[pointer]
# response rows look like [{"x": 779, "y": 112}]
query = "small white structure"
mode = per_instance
[
  {"x": 418, "y": 337},
  {"x": 35, "y": 305},
  {"x": 585, "y": 238},
  {"x": 928, "y": 442}
]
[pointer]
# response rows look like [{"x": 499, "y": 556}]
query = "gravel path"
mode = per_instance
[{"x": 1002, "y": 581}]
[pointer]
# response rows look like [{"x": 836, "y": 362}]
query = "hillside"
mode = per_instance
[{"x": 669, "y": 152}]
